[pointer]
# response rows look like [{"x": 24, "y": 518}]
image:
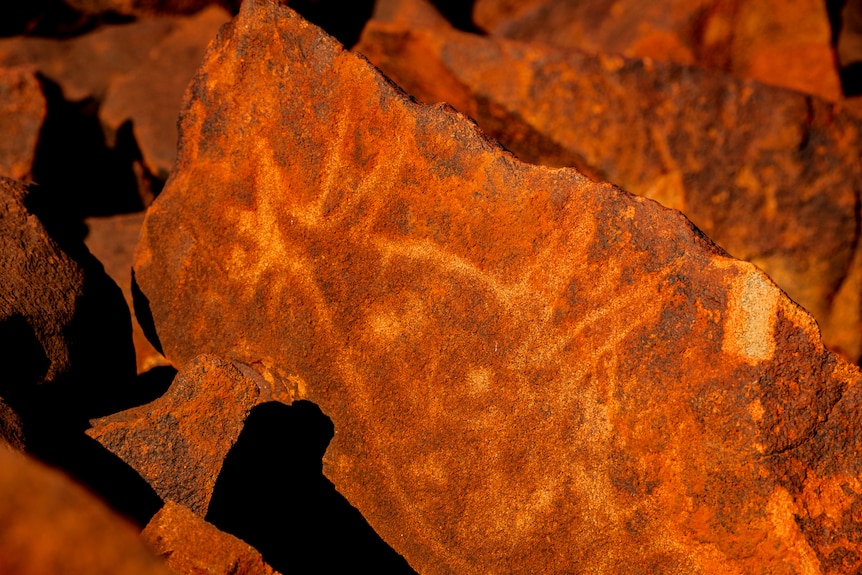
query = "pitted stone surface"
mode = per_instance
[{"x": 527, "y": 371}]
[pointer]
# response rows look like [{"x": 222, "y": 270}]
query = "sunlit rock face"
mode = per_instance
[{"x": 527, "y": 371}]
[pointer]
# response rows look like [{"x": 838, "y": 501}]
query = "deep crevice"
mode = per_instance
[{"x": 272, "y": 494}]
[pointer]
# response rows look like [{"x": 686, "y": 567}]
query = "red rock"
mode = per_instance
[
  {"x": 11, "y": 427},
  {"x": 49, "y": 524},
  {"x": 190, "y": 545},
  {"x": 112, "y": 240},
  {"x": 178, "y": 442},
  {"x": 527, "y": 372},
  {"x": 61, "y": 316},
  {"x": 22, "y": 112},
  {"x": 771, "y": 175},
  {"x": 85, "y": 66},
  {"x": 770, "y": 41},
  {"x": 150, "y": 95}
]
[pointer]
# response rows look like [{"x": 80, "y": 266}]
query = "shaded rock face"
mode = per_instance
[
  {"x": 22, "y": 111},
  {"x": 48, "y": 524},
  {"x": 190, "y": 545},
  {"x": 527, "y": 371},
  {"x": 769, "y": 41},
  {"x": 112, "y": 240},
  {"x": 773, "y": 176},
  {"x": 150, "y": 95},
  {"x": 178, "y": 443}
]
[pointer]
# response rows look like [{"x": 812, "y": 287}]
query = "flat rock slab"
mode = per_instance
[
  {"x": 22, "y": 113},
  {"x": 527, "y": 371},
  {"x": 771, "y": 175},
  {"x": 49, "y": 524},
  {"x": 178, "y": 443},
  {"x": 767, "y": 40},
  {"x": 192, "y": 546},
  {"x": 150, "y": 95}
]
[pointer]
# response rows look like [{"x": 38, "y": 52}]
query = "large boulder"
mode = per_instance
[{"x": 527, "y": 371}]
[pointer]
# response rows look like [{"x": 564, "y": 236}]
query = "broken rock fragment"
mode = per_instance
[
  {"x": 22, "y": 112},
  {"x": 178, "y": 442},
  {"x": 527, "y": 371},
  {"x": 191, "y": 545},
  {"x": 788, "y": 45},
  {"x": 150, "y": 95},
  {"x": 49, "y": 524},
  {"x": 771, "y": 175}
]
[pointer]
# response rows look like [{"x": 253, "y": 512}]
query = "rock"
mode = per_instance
[
  {"x": 86, "y": 65},
  {"x": 60, "y": 314},
  {"x": 150, "y": 95},
  {"x": 526, "y": 371},
  {"x": 146, "y": 8},
  {"x": 190, "y": 545},
  {"x": 178, "y": 442},
  {"x": 11, "y": 427},
  {"x": 112, "y": 240},
  {"x": 769, "y": 41},
  {"x": 771, "y": 175},
  {"x": 22, "y": 111},
  {"x": 49, "y": 524}
]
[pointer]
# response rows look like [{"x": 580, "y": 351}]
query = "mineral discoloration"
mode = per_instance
[{"x": 526, "y": 371}]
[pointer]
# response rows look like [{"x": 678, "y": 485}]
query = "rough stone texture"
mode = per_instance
[
  {"x": 771, "y": 175},
  {"x": 22, "y": 111},
  {"x": 85, "y": 66},
  {"x": 150, "y": 95},
  {"x": 782, "y": 44},
  {"x": 48, "y": 524},
  {"x": 11, "y": 427},
  {"x": 191, "y": 546},
  {"x": 112, "y": 240},
  {"x": 178, "y": 442},
  {"x": 527, "y": 371}
]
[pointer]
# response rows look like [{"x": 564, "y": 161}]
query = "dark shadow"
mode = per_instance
[
  {"x": 74, "y": 163},
  {"x": 459, "y": 13},
  {"x": 343, "y": 19},
  {"x": 851, "y": 79},
  {"x": 144, "y": 315},
  {"x": 22, "y": 356},
  {"x": 272, "y": 494},
  {"x": 151, "y": 385}
]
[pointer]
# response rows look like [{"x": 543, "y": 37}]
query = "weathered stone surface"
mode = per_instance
[
  {"x": 781, "y": 44},
  {"x": 150, "y": 95},
  {"x": 60, "y": 316},
  {"x": 190, "y": 545},
  {"x": 178, "y": 442},
  {"x": 773, "y": 176},
  {"x": 48, "y": 524},
  {"x": 22, "y": 111},
  {"x": 85, "y": 66},
  {"x": 527, "y": 371},
  {"x": 112, "y": 240},
  {"x": 11, "y": 427}
]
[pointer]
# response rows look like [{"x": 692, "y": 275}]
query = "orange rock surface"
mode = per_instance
[
  {"x": 150, "y": 95},
  {"x": 527, "y": 371},
  {"x": 48, "y": 524},
  {"x": 771, "y": 175},
  {"x": 778, "y": 43},
  {"x": 178, "y": 442},
  {"x": 22, "y": 112},
  {"x": 192, "y": 546}
]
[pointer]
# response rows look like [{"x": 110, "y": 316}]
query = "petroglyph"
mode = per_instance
[{"x": 526, "y": 371}]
